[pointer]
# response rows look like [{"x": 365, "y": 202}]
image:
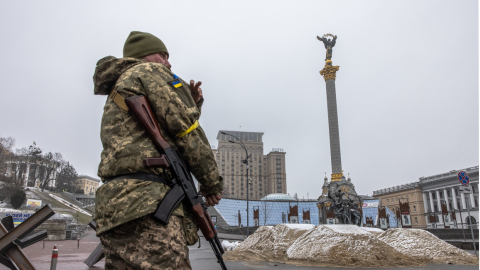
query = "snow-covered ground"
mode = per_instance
[{"x": 229, "y": 246}]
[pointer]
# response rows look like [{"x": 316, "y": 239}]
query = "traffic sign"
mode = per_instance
[{"x": 463, "y": 178}]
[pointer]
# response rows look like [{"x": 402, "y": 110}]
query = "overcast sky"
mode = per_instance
[{"x": 407, "y": 88}]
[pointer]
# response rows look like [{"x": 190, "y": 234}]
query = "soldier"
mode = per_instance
[{"x": 125, "y": 203}]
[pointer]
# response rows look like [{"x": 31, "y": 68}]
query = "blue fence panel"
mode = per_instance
[{"x": 270, "y": 212}]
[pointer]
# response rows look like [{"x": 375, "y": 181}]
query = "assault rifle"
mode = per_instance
[{"x": 183, "y": 187}]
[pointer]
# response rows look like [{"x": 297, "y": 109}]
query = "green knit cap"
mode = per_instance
[{"x": 139, "y": 44}]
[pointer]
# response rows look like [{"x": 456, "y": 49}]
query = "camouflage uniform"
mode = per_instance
[
  {"x": 130, "y": 245},
  {"x": 121, "y": 204}
]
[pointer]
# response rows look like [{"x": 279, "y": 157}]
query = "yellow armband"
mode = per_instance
[{"x": 190, "y": 129}]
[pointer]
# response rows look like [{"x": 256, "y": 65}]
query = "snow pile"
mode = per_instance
[
  {"x": 229, "y": 246},
  {"x": 426, "y": 246},
  {"x": 345, "y": 245},
  {"x": 269, "y": 243},
  {"x": 375, "y": 231}
]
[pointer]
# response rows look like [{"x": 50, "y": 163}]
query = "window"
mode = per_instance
[
  {"x": 414, "y": 209},
  {"x": 387, "y": 200},
  {"x": 416, "y": 220}
]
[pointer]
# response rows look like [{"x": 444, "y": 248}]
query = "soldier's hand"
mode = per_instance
[
  {"x": 212, "y": 199},
  {"x": 196, "y": 90}
]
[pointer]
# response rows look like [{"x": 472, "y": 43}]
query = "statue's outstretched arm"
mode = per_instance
[{"x": 324, "y": 40}]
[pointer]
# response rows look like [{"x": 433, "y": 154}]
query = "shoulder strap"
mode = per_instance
[{"x": 118, "y": 99}]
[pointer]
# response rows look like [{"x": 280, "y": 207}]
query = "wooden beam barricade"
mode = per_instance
[
  {"x": 97, "y": 253},
  {"x": 15, "y": 258},
  {"x": 8, "y": 223},
  {"x": 30, "y": 240}
]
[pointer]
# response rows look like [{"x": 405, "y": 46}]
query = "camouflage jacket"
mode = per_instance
[{"x": 126, "y": 144}]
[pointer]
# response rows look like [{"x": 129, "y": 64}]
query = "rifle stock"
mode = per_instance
[
  {"x": 143, "y": 112},
  {"x": 183, "y": 189}
]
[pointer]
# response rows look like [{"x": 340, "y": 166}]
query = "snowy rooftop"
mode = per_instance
[{"x": 278, "y": 197}]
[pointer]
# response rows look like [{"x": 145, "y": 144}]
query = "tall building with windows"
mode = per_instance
[{"x": 267, "y": 172}]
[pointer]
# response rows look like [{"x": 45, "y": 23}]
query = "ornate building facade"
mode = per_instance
[
  {"x": 411, "y": 193},
  {"x": 427, "y": 196},
  {"x": 88, "y": 184}
]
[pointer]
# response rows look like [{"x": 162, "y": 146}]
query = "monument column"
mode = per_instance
[
  {"x": 336, "y": 157},
  {"x": 329, "y": 74}
]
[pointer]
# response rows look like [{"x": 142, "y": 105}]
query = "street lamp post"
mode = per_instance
[{"x": 248, "y": 167}]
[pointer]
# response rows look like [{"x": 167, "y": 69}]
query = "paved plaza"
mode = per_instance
[{"x": 70, "y": 257}]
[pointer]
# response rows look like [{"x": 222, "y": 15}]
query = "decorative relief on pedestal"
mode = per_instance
[{"x": 329, "y": 71}]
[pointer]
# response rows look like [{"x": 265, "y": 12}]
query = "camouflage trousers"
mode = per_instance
[{"x": 146, "y": 244}]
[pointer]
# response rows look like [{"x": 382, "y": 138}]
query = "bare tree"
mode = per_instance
[
  {"x": 6, "y": 145},
  {"x": 267, "y": 210},
  {"x": 49, "y": 165}
]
